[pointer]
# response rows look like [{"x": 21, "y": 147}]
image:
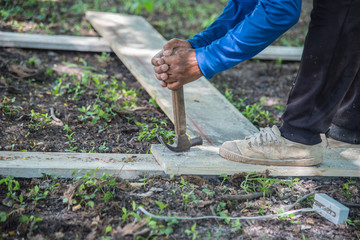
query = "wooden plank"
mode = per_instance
[
  {"x": 205, "y": 160},
  {"x": 135, "y": 42},
  {"x": 281, "y": 52},
  {"x": 54, "y": 42},
  {"x": 33, "y": 164},
  {"x": 96, "y": 44}
]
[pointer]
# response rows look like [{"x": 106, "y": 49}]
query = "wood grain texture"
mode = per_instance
[
  {"x": 205, "y": 160},
  {"x": 34, "y": 164},
  {"x": 54, "y": 42},
  {"x": 281, "y": 52},
  {"x": 96, "y": 44}
]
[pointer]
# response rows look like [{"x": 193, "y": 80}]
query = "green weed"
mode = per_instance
[
  {"x": 279, "y": 107},
  {"x": 49, "y": 72},
  {"x": 111, "y": 98},
  {"x": 95, "y": 113},
  {"x": 208, "y": 192},
  {"x": 346, "y": 188},
  {"x": 192, "y": 232},
  {"x": 255, "y": 112},
  {"x": 32, "y": 220},
  {"x": 150, "y": 132},
  {"x": 138, "y": 6},
  {"x": 225, "y": 177},
  {"x": 6, "y": 106},
  {"x": 144, "y": 180},
  {"x": 103, "y": 147},
  {"x": 153, "y": 102},
  {"x": 67, "y": 128},
  {"x": 3, "y": 216},
  {"x": 13, "y": 186},
  {"x": 263, "y": 184},
  {"x": 237, "y": 226},
  {"x": 32, "y": 61},
  {"x": 160, "y": 229},
  {"x": 37, "y": 195},
  {"x": 127, "y": 214},
  {"x": 161, "y": 205},
  {"x": 104, "y": 57},
  {"x": 70, "y": 142},
  {"x": 38, "y": 120},
  {"x": 353, "y": 223},
  {"x": 91, "y": 189}
]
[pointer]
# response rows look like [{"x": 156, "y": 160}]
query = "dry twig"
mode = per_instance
[
  {"x": 249, "y": 196},
  {"x": 56, "y": 121},
  {"x": 69, "y": 193},
  {"x": 129, "y": 229}
]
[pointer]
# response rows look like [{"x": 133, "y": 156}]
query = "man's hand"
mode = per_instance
[
  {"x": 160, "y": 67},
  {"x": 181, "y": 68}
]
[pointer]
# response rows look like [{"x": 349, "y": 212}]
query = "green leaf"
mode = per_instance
[
  {"x": 24, "y": 219},
  {"x": 134, "y": 205},
  {"x": 91, "y": 204},
  {"x": 149, "y": 6},
  {"x": 161, "y": 205},
  {"x": 108, "y": 229},
  {"x": 39, "y": 219},
  {"x": 3, "y": 216},
  {"x": 108, "y": 196},
  {"x": 169, "y": 230},
  {"x": 135, "y": 215}
]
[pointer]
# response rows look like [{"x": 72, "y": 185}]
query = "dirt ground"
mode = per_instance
[
  {"x": 91, "y": 97},
  {"x": 108, "y": 208},
  {"x": 58, "y": 101},
  {"x": 40, "y": 112}
]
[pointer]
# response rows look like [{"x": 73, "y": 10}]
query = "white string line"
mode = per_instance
[{"x": 222, "y": 218}]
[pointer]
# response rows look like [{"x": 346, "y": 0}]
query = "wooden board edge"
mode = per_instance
[
  {"x": 54, "y": 42},
  {"x": 14, "y": 163}
]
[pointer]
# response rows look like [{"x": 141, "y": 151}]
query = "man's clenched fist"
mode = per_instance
[{"x": 176, "y": 64}]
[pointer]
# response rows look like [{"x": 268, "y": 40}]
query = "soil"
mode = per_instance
[
  {"x": 39, "y": 114},
  {"x": 107, "y": 207},
  {"x": 29, "y": 86}
]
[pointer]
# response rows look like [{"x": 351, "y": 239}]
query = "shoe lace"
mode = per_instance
[{"x": 263, "y": 137}]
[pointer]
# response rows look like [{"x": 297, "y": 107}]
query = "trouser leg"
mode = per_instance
[
  {"x": 328, "y": 74},
  {"x": 346, "y": 123}
]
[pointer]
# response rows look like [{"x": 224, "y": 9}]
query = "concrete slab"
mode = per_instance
[
  {"x": 33, "y": 164},
  {"x": 204, "y": 160}
]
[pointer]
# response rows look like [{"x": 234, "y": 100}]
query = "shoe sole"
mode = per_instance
[
  {"x": 232, "y": 156},
  {"x": 332, "y": 143},
  {"x": 337, "y": 144}
]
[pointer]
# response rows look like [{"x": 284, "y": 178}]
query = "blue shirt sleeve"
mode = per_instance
[
  {"x": 234, "y": 12},
  {"x": 258, "y": 29}
]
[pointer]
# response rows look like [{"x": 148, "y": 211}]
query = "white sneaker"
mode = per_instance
[
  {"x": 268, "y": 147},
  {"x": 332, "y": 143}
]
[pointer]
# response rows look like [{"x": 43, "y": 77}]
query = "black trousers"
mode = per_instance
[{"x": 326, "y": 93}]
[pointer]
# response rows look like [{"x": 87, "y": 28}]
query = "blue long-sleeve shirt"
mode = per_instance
[{"x": 244, "y": 29}]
